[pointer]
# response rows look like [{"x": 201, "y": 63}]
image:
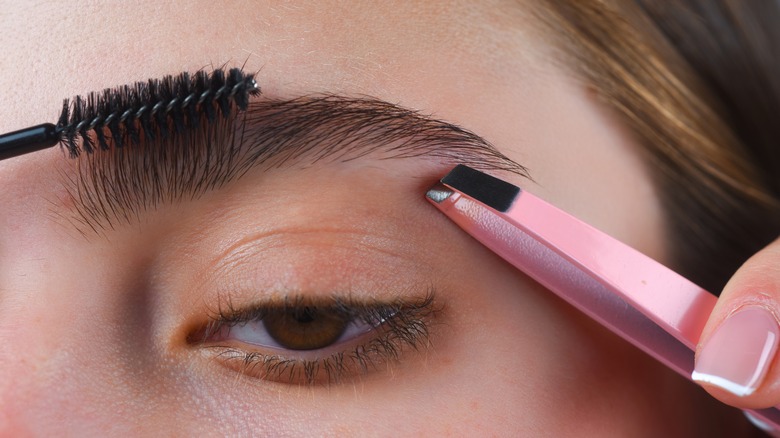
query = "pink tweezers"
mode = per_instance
[{"x": 636, "y": 297}]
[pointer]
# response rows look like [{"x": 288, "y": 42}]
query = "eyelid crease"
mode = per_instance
[
  {"x": 115, "y": 187},
  {"x": 251, "y": 247}
]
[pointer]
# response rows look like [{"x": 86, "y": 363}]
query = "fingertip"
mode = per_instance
[{"x": 735, "y": 361}]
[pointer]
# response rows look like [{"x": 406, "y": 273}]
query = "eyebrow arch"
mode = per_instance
[{"x": 114, "y": 187}]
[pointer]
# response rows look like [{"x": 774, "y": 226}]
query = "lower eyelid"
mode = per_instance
[
  {"x": 251, "y": 350},
  {"x": 325, "y": 369}
]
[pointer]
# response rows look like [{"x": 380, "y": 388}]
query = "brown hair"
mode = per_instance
[{"x": 699, "y": 83}]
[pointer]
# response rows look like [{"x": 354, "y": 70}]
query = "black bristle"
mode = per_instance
[
  {"x": 64, "y": 115},
  {"x": 221, "y": 92},
  {"x": 101, "y": 103},
  {"x": 206, "y": 100},
  {"x": 238, "y": 89},
  {"x": 181, "y": 91},
  {"x": 114, "y": 106},
  {"x": 163, "y": 94},
  {"x": 157, "y": 129},
  {"x": 82, "y": 127},
  {"x": 151, "y": 110},
  {"x": 193, "y": 109},
  {"x": 129, "y": 103},
  {"x": 145, "y": 121},
  {"x": 68, "y": 138}
]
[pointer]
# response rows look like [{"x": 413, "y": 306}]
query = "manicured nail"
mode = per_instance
[
  {"x": 761, "y": 424},
  {"x": 738, "y": 354}
]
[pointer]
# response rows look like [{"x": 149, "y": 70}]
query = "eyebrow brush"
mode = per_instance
[
  {"x": 128, "y": 115},
  {"x": 634, "y": 296}
]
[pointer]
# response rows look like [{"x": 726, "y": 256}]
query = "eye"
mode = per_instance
[
  {"x": 299, "y": 328},
  {"x": 308, "y": 342}
]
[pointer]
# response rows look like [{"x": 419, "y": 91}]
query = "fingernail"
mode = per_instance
[
  {"x": 761, "y": 424},
  {"x": 738, "y": 354}
]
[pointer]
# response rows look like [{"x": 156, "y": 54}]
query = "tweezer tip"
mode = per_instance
[
  {"x": 438, "y": 193},
  {"x": 489, "y": 190}
]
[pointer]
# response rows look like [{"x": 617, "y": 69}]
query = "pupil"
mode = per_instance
[
  {"x": 306, "y": 328},
  {"x": 306, "y": 316}
]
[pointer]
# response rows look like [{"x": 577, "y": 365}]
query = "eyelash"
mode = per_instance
[{"x": 397, "y": 326}]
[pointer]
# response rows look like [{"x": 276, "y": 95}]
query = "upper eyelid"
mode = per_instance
[
  {"x": 112, "y": 187},
  {"x": 352, "y": 305}
]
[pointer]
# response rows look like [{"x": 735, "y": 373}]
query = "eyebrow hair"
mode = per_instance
[{"x": 114, "y": 187}]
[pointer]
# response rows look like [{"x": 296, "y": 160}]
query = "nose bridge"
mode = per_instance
[
  {"x": 76, "y": 340},
  {"x": 64, "y": 318}
]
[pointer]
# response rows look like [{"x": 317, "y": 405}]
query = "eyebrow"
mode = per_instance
[{"x": 115, "y": 187}]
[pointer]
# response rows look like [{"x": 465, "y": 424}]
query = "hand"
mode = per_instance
[{"x": 737, "y": 356}]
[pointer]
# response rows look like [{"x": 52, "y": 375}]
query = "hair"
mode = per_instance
[{"x": 698, "y": 82}]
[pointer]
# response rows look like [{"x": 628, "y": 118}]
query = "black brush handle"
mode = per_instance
[{"x": 28, "y": 140}]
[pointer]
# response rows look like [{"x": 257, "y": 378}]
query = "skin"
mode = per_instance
[{"x": 94, "y": 329}]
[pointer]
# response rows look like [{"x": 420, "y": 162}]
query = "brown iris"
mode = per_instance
[{"x": 305, "y": 328}]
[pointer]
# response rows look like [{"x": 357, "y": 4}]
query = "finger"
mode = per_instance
[{"x": 737, "y": 356}]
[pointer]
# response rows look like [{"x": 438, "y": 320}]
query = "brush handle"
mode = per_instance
[{"x": 28, "y": 140}]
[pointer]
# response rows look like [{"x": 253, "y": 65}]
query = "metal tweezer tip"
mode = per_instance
[{"x": 438, "y": 193}]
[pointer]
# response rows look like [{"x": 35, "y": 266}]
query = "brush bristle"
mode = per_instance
[{"x": 155, "y": 109}]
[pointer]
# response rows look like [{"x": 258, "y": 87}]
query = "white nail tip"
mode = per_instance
[
  {"x": 759, "y": 423},
  {"x": 728, "y": 385}
]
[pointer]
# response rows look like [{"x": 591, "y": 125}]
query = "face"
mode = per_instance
[{"x": 176, "y": 317}]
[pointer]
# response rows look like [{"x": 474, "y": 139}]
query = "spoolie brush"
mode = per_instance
[{"x": 128, "y": 115}]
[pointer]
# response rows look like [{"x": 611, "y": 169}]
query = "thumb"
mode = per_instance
[{"x": 737, "y": 356}]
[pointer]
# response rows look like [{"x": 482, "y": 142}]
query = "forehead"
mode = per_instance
[
  {"x": 373, "y": 48},
  {"x": 478, "y": 65},
  {"x": 436, "y": 57}
]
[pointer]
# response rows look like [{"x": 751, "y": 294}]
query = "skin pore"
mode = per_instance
[{"x": 95, "y": 328}]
